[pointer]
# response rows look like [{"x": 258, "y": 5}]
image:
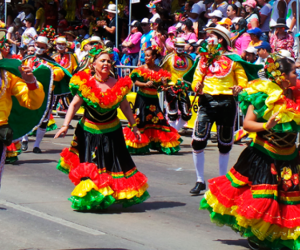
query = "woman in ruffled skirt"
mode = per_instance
[
  {"x": 156, "y": 133},
  {"x": 260, "y": 196},
  {"x": 98, "y": 162}
]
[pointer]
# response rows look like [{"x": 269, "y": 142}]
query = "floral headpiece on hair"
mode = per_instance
[
  {"x": 99, "y": 49},
  {"x": 272, "y": 69},
  {"x": 156, "y": 47},
  {"x": 210, "y": 52},
  {"x": 152, "y": 5},
  {"x": 48, "y": 32}
]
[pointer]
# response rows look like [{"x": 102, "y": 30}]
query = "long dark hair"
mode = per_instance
[
  {"x": 160, "y": 27},
  {"x": 242, "y": 23},
  {"x": 285, "y": 65}
]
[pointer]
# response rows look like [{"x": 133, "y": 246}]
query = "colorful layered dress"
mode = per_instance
[
  {"x": 156, "y": 132},
  {"x": 260, "y": 195},
  {"x": 98, "y": 162}
]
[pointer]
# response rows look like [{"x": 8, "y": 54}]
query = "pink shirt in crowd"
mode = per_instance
[
  {"x": 190, "y": 36},
  {"x": 242, "y": 43},
  {"x": 286, "y": 42},
  {"x": 136, "y": 40}
]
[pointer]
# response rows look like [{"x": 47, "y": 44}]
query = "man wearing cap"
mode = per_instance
[
  {"x": 263, "y": 51},
  {"x": 251, "y": 54},
  {"x": 152, "y": 9},
  {"x": 132, "y": 43},
  {"x": 145, "y": 39},
  {"x": 255, "y": 37},
  {"x": 190, "y": 48},
  {"x": 225, "y": 22},
  {"x": 217, "y": 79},
  {"x": 61, "y": 78},
  {"x": 178, "y": 63},
  {"x": 215, "y": 17}
]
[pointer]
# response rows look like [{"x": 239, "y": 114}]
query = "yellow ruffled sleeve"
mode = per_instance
[
  {"x": 31, "y": 99},
  {"x": 74, "y": 62},
  {"x": 58, "y": 73},
  {"x": 198, "y": 77},
  {"x": 240, "y": 75}
]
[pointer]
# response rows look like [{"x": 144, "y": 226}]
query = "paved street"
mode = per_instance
[{"x": 35, "y": 212}]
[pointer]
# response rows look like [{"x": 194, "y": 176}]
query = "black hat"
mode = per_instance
[
  {"x": 281, "y": 23},
  {"x": 135, "y": 24},
  {"x": 188, "y": 23},
  {"x": 30, "y": 18}
]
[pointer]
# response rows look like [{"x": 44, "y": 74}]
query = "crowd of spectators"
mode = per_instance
[{"x": 258, "y": 27}]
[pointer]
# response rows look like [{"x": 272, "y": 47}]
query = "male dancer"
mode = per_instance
[
  {"x": 178, "y": 63},
  {"x": 219, "y": 76},
  {"x": 60, "y": 77}
]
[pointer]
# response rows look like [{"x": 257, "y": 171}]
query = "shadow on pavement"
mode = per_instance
[
  {"x": 2, "y": 208},
  {"x": 34, "y": 161},
  {"x": 240, "y": 242},
  {"x": 154, "y": 205},
  {"x": 96, "y": 249}
]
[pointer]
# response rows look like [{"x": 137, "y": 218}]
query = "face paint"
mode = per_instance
[
  {"x": 212, "y": 40},
  {"x": 179, "y": 50},
  {"x": 39, "y": 51},
  {"x": 61, "y": 47}
]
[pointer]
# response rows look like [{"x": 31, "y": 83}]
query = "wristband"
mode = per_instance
[
  {"x": 104, "y": 27},
  {"x": 265, "y": 126},
  {"x": 34, "y": 81},
  {"x": 133, "y": 125},
  {"x": 64, "y": 125}
]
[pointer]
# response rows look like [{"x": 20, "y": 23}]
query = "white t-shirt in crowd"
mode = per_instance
[
  {"x": 155, "y": 16},
  {"x": 222, "y": 7},
  {"x": 202, "y": 6},
  {"x": 28, "y": 36},
  {"x": 266, "y": 10},
  {"x": 195, "y": 9},
  {"x": 289, "y": 15}
]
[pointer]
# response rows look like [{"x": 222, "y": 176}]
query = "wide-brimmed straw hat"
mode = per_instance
[
  {"x": 225, "y": 33},
  {"x": 281, "y": 23},
  {"x": 112, "y": 8}
]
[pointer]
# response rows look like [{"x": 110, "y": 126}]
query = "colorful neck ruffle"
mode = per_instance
[
  {"x": 143, "y": 75},
  {"x": 86, "y": 87},
  {"x": 267, "y": 99}
]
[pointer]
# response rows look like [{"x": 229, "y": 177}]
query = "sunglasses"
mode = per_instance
[{"x": 144, "y": 24}]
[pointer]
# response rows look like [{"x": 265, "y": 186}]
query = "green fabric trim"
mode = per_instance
[
  {"x": 146, "y": 95},
  {"x": 98, "y": 132},
  {"x": 93, "y": 200},
  {"x": 133, "y": 201},
  {"x": 61, "y": 87},
  {"x": 275, "y": 156},
  {"x": 269, "y": 196},
  {"x": 134, "y": 76},
  {"x": 230, "y": 221},
  {"x": 49, "y": 128},
  {"x": 289, "y": 202},
  {"x": 250, "y": 69},
  {"x": 29, "y": 118},
  {"x": 258, "y": 102},
  {"x": 138, "y": 151},
  {"x": 169, "y": 151},
  {"x": 232, "y": 182},
  {"x": 11, "y": 160},
  {"x": 75, "y": 90},
  {"x": 62, "y": 169}
]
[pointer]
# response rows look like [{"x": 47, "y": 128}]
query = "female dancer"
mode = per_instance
[
  {"x": 98, "y": 162},
  {"x": 156, "y": 133},
  {"x": 259, "y": 196}
]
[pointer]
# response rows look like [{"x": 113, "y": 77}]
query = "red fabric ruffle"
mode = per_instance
[
  {"x": 162, "y": 136},
  {"x": 129, "y": 135},
  {"x": 110, "y": 95},
  {"x": 11, "y": 147},
  {"x": 70, "y": 158},
  {"x": 267, "y": 209},
  {"x": 101, "y": 180}
]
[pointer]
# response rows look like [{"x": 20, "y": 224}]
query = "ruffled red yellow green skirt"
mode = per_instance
[
  {"x": 12, "y": 152},
  {"x": 260, "y": 198},
  {"x": 101, "y": 167},
  {"x": 156, "y": 133}
]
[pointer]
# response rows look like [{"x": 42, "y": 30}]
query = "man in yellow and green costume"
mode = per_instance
[
  {"x": 218, "y": 76},
  {"x": 24, "y": 97}
]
